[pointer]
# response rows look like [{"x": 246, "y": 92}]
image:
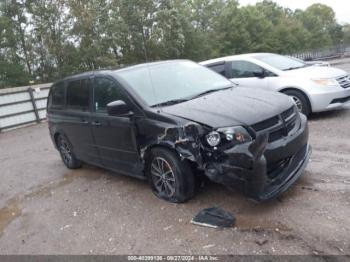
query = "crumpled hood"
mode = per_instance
[
  {"x": 236, "y": 106},
  {"x": 316, "y": 72}
]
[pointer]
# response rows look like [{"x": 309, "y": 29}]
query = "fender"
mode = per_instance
[{"x": 184, "y": 139}]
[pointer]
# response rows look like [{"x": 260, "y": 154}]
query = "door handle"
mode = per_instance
[
  {"x": 96, "y": 123},
  {"x": 85, "y": 122}
]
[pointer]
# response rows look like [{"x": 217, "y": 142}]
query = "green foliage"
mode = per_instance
[
  {"x": 12, "y": 74},
  {"x": 44, "y": 40}
]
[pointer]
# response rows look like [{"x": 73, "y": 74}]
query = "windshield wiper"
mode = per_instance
[
  {"x": 181, "y": 100},
  {"x": 295, "y": 67},
  {"x": 170, "y": 102},
  {"x": 209, "y": 91}
]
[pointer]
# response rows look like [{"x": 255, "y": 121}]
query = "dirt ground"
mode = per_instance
[{"x": 48, "y": 209}]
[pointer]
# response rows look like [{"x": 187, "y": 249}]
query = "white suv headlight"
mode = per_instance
[{"x": 325, "y": 81}]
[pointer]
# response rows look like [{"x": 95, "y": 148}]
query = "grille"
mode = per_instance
[
  {"x": 266, "y": 124},
  {"x": 274, "y": 169},
  {"x": 278, "y": 126},
  {"x": 344, "y": 81},
  {"x": 287, "y": 113}
]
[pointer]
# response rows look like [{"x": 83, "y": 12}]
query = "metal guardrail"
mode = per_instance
[
  {"x": 337, "y": 51},
  {"x": 22, "y": 105}
]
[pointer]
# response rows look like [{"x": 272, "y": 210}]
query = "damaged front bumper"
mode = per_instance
[{"x": 260, "y": 169}]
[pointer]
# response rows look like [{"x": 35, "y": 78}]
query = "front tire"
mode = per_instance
[
  {"x": 171, "y": 178},
  {"x": 300, "y": 101},
  {"x": 67, "y": 154}
]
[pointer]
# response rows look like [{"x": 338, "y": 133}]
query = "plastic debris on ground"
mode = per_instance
[{"x": 214, "y": 217}]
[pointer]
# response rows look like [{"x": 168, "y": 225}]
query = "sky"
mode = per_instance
[{"x": 340, "y": 7}]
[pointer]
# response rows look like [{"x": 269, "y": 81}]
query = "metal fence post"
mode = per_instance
[{"x": 32, "y": 99}]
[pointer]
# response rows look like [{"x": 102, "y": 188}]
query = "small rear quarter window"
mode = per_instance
[
  {"x": 78, "y": 95},
  {"x": 57, "y": 94},
  {"x": 218, "y": 68}
]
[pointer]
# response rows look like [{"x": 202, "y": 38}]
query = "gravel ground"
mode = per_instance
[{"x": 48, "y": 209}]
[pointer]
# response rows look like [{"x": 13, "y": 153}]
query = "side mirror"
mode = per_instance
[{"x": 118, "y": 108}]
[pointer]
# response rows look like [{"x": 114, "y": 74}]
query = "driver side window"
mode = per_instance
[
  {"x": 105, "y": 91},
  {"x": 244, "y": 69}
]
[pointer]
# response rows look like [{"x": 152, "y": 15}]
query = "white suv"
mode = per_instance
[{"x": 313, "y": 88}]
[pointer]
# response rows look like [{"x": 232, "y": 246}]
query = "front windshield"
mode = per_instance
[
  {"x": 280, "y": 62},
  {"x": 158, "y": 83}
]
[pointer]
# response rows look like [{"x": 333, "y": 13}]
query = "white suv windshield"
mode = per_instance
[
  {"x": 280, "y": 62},
  {"x": 162, "y": 82}
]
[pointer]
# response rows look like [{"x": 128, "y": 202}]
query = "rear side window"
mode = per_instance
[
  {"x": 105, "y": 91},
  {"x": 243, "y": 69},
  {"x": 56, "y": 99},
  {"x": 78, "y": 95},
  {"x": 218, "y": 68}
]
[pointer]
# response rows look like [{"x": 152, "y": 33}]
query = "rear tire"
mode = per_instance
[
  {"x": 300, "y": 100},
  {"x": 171, "y": 178},
  {"x": 67, "y": 154}
]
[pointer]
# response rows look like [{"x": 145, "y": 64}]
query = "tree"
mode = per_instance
[
  {"x": 319, "y": 21},
  {"x": 12, "y": 74},
  {"x": 88, "y": 33},
  {"x": 12, "y": 47},
  {"x": 202, "y": 29},
  {"x": 51, "y": 25},
  {"x": 15, "y": 13}
]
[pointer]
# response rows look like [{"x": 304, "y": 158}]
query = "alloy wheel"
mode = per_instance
[
  {"x": 163, "y": 177},
  {"x": 65, "y": 151},
  {"x": 298, "y": 103}
]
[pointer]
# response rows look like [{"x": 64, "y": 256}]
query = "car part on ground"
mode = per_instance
[{"x": 214, "y": 217}]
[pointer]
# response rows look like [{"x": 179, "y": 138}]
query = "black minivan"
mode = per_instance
[{"x": 172, "y": 121}]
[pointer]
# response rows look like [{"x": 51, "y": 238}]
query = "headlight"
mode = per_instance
[
  {"x": 325, "y": 81},
  {"x": 236, "y": 133},
  {"x": 213, "y": 138}
]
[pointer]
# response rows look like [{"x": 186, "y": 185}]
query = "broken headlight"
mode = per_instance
[
  {"x": 213, "y": 138},
  {"x": 231, "y": 135},
  {"x": 236, "y": 133}
]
